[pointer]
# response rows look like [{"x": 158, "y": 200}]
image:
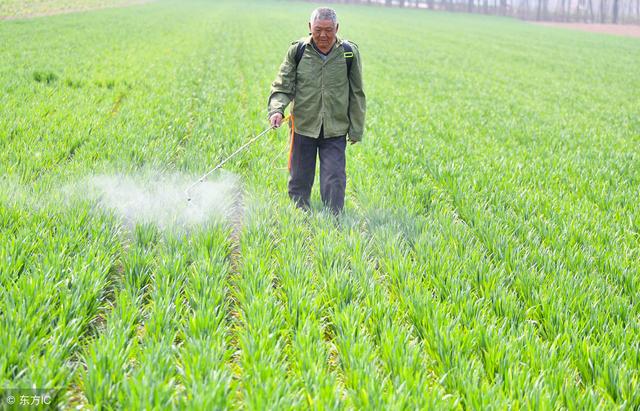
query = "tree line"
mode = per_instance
[{"x": 577, "y": 11}]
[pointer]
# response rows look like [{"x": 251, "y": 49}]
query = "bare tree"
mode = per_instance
[
  {"x": 539, "y": 13},
  {"x": 545, "y": 9},
  {"x": 523, "y": 9},
  {"x": 603, "y": 13}
]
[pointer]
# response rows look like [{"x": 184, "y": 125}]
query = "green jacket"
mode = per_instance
[{"x": 320, "y": 92}]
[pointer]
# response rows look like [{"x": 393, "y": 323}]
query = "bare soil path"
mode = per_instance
[
  {"x": 14, "y": 10},
  {"x": 615, "y": 29}
]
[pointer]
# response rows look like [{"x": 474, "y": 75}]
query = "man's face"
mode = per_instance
[{"x": 323, "y": 33}]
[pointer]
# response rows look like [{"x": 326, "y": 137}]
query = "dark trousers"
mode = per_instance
[{"x": 333, "y": 178}]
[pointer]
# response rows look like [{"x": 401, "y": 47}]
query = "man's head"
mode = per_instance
[{"x": 323, "y": 26}]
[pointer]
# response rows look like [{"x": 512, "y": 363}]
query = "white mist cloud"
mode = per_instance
[{"x": 160, "y": 199}]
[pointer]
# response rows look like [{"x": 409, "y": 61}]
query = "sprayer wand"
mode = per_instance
[{"x": 245, "y": 145}]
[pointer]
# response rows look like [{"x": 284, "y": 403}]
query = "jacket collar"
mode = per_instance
[{"x": 308, "y": 41}]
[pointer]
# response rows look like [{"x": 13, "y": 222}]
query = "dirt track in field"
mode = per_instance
[
  {"x": 124, "y": 3},
  {"x": 615, "y": 29}
]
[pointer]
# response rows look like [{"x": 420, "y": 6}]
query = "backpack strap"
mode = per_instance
[
  {"x": 300, "y": 52},
  {"x": 348, "y": 55}
]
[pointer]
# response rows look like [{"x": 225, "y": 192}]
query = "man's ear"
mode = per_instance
[
  {"x": 309, "y": 28},
  {"x": 337, "y": 26}
]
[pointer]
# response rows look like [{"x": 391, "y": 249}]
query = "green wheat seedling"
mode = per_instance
[{"x": 487, "y": 257}]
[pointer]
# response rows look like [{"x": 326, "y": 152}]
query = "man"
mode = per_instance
[{"x": 322, "y": 76}]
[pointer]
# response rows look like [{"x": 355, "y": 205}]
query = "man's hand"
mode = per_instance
[
  {"x": 275, "y": 120},
  {"x": 352, "y": 142}
]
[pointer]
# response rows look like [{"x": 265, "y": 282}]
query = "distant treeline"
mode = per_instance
[{"x": 583, "y": 11}]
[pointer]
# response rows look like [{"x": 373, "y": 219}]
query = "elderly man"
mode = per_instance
[{"x": 322, "y": 76}]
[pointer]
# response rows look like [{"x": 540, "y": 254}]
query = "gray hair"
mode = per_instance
[{"x": 324, "y": 13}]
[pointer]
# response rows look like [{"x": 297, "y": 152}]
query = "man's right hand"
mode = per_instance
[{"x": 276, "y": 120}]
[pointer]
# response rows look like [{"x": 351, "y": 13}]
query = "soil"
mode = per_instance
[
  {"x": 615, "y": 29},
  {"x": 124, "y": 3}
]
